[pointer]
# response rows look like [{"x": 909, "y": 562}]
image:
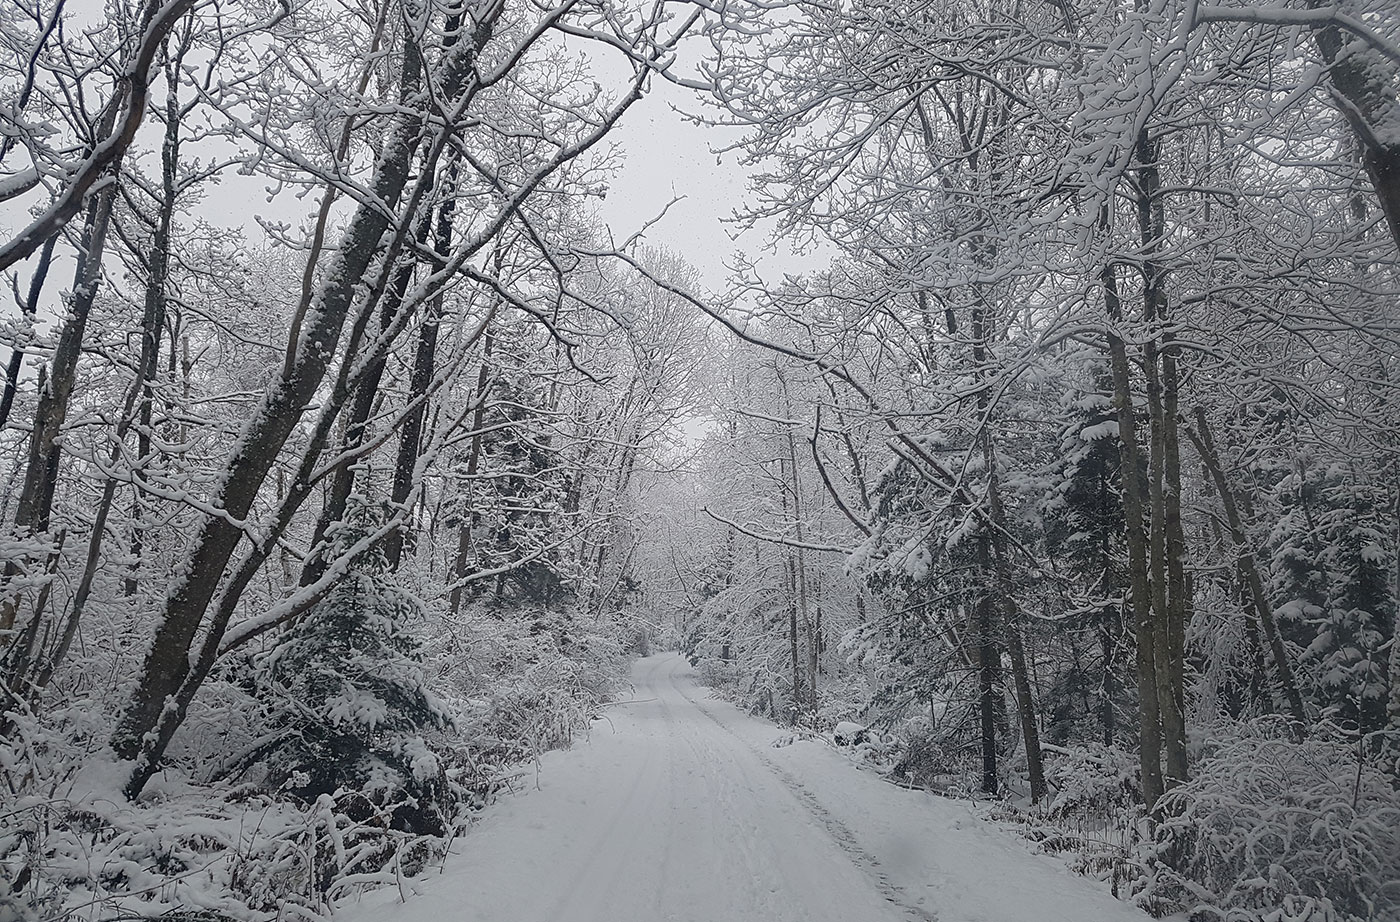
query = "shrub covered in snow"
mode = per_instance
[
  {"x": 1093, "y": 818},
  {"x": 520, "y": 681},
  {"x": 1091, "y": 778},
  {"x": 1269, "y": 829},
  {"x": 230, "y": 854},
  {"x": 314, "y": 779}
]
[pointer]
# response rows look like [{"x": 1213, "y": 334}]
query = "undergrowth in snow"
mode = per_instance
[
  {"x": 1266, "y": 830},
  {"x": 216, "y": 839}
]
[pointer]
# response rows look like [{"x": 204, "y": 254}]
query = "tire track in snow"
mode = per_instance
[
  {"x": 840, "y": 834},
  {"x": 730, "y": 786},
  {"x": 590, "y": 887}
]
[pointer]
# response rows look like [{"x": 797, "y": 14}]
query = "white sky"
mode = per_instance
[
  {"x": 667, "y": 157},
  {"x": 664, "y": 157}
]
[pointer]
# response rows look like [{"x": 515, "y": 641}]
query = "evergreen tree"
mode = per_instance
[
  {"x": 1330, "y": 574},
  {"x": 1083, "y": 520},
  {"x": 520, "y": 507},
  {"x": 1359, "y": 614},
  {"x": 348, "y": 684}
]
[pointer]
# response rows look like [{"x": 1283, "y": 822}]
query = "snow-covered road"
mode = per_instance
[{"x": 679, "y": 809}]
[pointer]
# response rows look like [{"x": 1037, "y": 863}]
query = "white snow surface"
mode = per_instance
[{"x": 679, "y": 808}]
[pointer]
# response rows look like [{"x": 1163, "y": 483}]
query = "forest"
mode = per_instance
[{"x": 348, "y": 456}]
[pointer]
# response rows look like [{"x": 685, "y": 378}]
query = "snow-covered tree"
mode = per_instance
[{"x": 347, "y": 690}]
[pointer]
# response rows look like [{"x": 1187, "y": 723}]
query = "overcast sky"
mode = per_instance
[
  {"x": 663, "y": 157},
  {"x": 667, "y": 156}
]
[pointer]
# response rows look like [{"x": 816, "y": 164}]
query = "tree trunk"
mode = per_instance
[
  {"x": 424, "y": 366},
  {"x": 94, "y": 549},
  {"x": 367, "y": 396},
  {"x": 1161, "y": 427},
  {"x": 1134, "y": 514},
  {"x": 1108, "y": 694},
  {"x": 1110, "y": 624},
  {"x": 1283, "y": 670},
  {"x": 35, "y": 503},
  {"x": 1020, "y": 677},
  {"x": 799, "y": 555},
  {"x": 988, "y": 686},
  {"x": 994, "y": 556},
  {"x": 1179, "y": 602},
  {"x": 464, "y": 529},
  {"x": 167, "y": 661},
  {"x": 28, "y": 311},
  {"x": 1392, "y": 709},
  {"x": 1025, "y": 701},
  {"x": 153, "y": 318},
  {"x": 41, "y": 474},
  {"x": 792, "y": 639},
  {"x": 794, "y": 612},
  {"x": 1364, "y": 81}
]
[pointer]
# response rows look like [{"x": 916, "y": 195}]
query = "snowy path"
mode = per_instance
[{"x": 682, "y": 811}]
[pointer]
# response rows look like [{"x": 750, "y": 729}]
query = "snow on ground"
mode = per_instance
[{"x": 679, "y": 809}]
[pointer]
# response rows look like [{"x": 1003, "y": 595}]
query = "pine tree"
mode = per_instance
[
  {"x": 348, "y": 684},
  {"x": 1358, "y": 616},
  {"x": 1330, "y": 562},
  {"x": 1083, "y": 517}
]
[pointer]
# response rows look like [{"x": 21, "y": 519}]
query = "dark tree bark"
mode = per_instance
[
  {"x": 995, "y": 554},
  {"x": 167, "y": 661},
  {"x": 464, "y": 528},
  {"x": 41, "y": 473},
  {"x": 1134, "y": 513},
  {"x": 1164, "y": 554},
  {"x": 367, "y": 396},
  {"x": 424, "y": 367},
  {"x": 986, "y": 656},
  {"x": 793, "y": 645},
  {"x": 1179, "y": 594},
  {"x": 1286, "y": 684},
  {"x": 1020, "y": 676},
  {"x": 154, "y": 304},
  {"x": 799, "y": 556},
  {"x": 1365, "y": 83},
  {"x": 28, "y": 311},
  {"x": 1110, "y": 618},
  {"x": 794, "y": 602},
  {"x": 35, "y": 504}
]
